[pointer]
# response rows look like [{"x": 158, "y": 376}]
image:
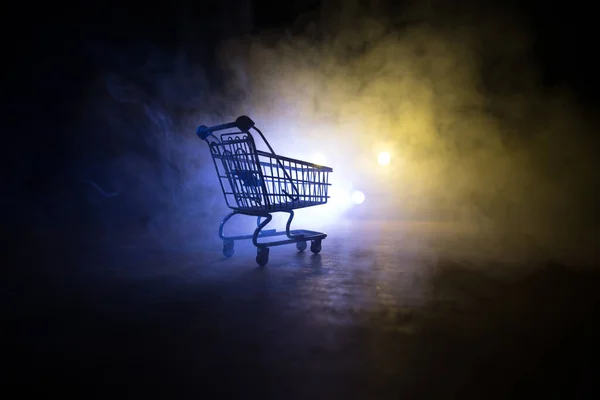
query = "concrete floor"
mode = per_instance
[{"x": 401, "y": 312}]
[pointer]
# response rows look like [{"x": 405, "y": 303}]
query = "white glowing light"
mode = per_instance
[
  {"x": 340, "y": 199},
  {"x": 358, "y": 197},
  {"x": 383, "y": 158},
  {"x": 319, "y": 159}
]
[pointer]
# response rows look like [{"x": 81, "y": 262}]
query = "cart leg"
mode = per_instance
[
  {"x": 300, "y": 244},
  {"x": 260, "y": 226},
  {"x": 288, "y": 225},
  {"x": 224, "y": 221}
]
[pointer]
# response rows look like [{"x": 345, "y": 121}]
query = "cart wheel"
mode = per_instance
[
  {"x": 262, "y": 256},
  {"x": 228, "y": 249},
  {"x": 315, "y": 246},
  {"x": 301, "y": 246}
]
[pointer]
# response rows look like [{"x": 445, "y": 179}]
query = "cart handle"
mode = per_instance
[{"x": 243, "y": 123}]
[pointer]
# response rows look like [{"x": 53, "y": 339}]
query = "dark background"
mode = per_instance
[
  {"x": 73, "y": 43},
  {"x": 78, "y": 40}
]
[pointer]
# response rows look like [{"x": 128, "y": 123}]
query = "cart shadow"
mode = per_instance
[
  {"x": 301, "y": 265},
  {"x": 310, "y": 260},
  {"x": 316, "y": 261}
]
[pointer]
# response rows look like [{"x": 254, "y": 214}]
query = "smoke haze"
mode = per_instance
[{"x": 451, "y": 90}]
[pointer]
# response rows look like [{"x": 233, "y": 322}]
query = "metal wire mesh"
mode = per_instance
[{"x": 258, "y": 181}]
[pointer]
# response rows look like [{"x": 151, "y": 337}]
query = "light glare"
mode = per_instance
[
  {"x": 383, "y": 158},
  {"x": 319, "y": 159},
  {"x": 358, "y": 197}
]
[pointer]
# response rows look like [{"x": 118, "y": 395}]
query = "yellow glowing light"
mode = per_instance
[{"x": 384, "y": 158}]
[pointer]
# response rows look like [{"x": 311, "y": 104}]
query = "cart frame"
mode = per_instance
[{"x": 258, "y": 183}]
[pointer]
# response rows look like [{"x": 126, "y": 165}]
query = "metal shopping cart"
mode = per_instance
[{"x": 259, "y": 183}]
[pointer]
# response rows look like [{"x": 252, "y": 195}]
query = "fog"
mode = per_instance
[{"x": 455, "y": 96}]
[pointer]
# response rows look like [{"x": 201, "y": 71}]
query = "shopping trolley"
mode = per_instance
[{"x": 258, "y": 183}]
